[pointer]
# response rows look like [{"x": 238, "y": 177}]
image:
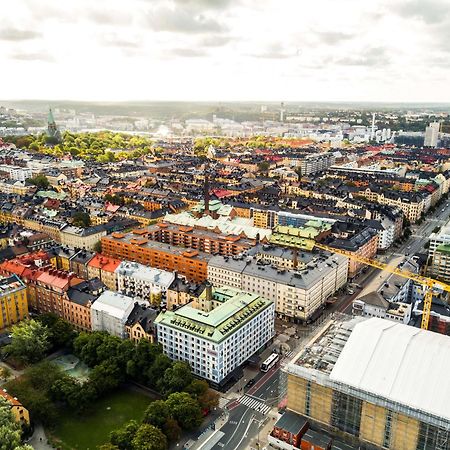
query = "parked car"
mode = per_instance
[{"x": 250, "y": 383}]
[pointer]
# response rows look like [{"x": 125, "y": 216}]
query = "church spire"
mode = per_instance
[{"x": 52, "y": 129}]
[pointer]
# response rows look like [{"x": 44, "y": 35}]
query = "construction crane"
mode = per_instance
[{"x": 428, "y": 283}]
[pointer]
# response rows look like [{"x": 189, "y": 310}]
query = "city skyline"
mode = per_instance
[{"x": 223, "y": 50}]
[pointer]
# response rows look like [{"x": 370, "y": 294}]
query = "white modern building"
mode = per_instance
[
  {"x": 432, "y": 134},
  {"x": 17, "y": 173},
  {"x": 438, "y": 263},
  {"x": 141, "y": 282},
  {"x": 297, "y": 294},
  {"x": 217, "y": 342},
  {"x": 110, "y": 313}
]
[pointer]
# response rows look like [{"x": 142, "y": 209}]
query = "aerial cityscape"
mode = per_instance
[{"x": 225, "y": 225}]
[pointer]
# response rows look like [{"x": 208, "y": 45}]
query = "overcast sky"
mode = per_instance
[{"x": 291, "y": 50}]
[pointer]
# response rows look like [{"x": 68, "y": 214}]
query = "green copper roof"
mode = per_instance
[
  {"x": 50, "y": 118},
  {"x": 222, "y": 321},
  {"x": 444, "y": 248}
]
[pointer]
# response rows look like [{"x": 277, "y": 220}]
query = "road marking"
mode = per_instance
[
  {"x": 245, "y": 432},
  {"x": 237, "y": 428},
  {"x": 254, "y": 404}
]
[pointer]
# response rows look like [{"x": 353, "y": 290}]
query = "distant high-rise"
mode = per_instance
[
  {"x": 52, "y": 129},
  {"x": 432, "y": 135},
  {"x": 282, "y": 111},
  {"x": 372, "y": 131}
]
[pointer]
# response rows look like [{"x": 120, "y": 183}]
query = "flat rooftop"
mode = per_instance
[{"x": 159, "y": 246}]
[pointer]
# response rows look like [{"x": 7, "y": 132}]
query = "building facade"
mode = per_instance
[
  {"x": 13, "y": 301},
  {"x": 218, "y": 342},
  {"x": 337, "y": 386},
  {"x": 297, "y": 294}
]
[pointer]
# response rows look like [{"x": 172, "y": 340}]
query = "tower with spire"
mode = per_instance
[{"x": 52, "y": 129}]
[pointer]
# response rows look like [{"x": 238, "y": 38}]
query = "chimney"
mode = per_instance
[
  {"x": 208, "y": 292},
  {"x": 295, "y": 259}
]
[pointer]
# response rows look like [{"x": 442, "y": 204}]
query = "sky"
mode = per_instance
[{"x": 227, "y": 50}]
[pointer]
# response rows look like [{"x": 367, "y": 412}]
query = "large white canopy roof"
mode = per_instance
[{"x": 398, "y": 362}]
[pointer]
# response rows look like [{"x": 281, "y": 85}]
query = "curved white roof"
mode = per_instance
[{"x": 398, "y": 362}]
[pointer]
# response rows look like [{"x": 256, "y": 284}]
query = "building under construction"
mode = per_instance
[{"x": 379, "y": 383}]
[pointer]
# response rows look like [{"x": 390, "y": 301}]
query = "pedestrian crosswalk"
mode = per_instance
[
  {"x": 254, "y": 404},
  {"x": 288, "y": 354}
]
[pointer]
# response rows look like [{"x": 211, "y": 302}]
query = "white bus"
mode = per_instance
[{"x": 270, "y": 362}]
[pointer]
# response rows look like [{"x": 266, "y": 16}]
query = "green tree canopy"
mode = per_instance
[
  {"x": 40, "y": 181},
  {"x": 149, "y": 437},
  {"x": 29, "y": 341},
  {"x": 157, "y": 413},
  {"x": 185, "y": 410},
  {"x": 81, "y": 219}
]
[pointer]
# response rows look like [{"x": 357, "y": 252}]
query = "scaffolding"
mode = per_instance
[{"x": 376, "y": 421}]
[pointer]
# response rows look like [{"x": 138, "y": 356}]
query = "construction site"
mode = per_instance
[{"x": 375, "y": 383}]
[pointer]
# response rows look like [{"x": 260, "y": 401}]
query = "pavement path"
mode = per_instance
[{"x": 39, "y": 441}]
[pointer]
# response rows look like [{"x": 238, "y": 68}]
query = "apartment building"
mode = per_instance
[
  {"x": 77, "y": 303},
  {"x": 104, "y": 268},
  {"x": 216, "y": 343},
  {"x": 374, "y": 304},
  {"x": 351, "y": 237},
  {"x": 190, "y": 263},
  {"x": 142, "y": 282},
  {"x": 82, "y": 238},
  {"x": 13, "y": 301},
  {"x": 141, "y": 323},
  {"x": 440, "y": 262},
  {"x": 199, "y": 239},
  {"x": 181, "y": 292},
  {"x": 413, "y": 204},
  {"x": 110, "y": 313},
  {"x": 297, "y": 294}
]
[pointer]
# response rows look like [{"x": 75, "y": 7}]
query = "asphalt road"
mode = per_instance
[{"x": 244, "y": 421}]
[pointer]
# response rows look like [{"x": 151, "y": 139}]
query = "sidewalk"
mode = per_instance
[
  {"x": 264, "y": 430},
  {"x": 39, "y": 441}
]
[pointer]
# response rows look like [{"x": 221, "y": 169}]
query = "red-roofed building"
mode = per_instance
[
  {"x": 48, "y": 289},
  {"x": 19, "y": 412},
  {"x": 103, "y": 267}
]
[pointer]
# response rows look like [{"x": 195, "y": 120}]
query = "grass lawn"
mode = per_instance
[{"x": 92, "y": 429}]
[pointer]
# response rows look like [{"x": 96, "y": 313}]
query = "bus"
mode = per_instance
[{"x": 270, "y": 362}]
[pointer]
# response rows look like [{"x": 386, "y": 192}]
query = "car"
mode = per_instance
[
  {"x": 350, "y": 291},
  {"x": 250, "y": 383}
]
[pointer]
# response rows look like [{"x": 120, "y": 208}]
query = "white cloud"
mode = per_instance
[{"x": 386, "y": 50}]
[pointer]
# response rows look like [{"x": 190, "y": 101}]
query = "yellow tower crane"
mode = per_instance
[{"x": 427, "y": 283}]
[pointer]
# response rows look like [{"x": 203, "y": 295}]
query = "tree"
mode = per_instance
[
  {"x": 172, "y": 430},
  {"x": 157, "y": 413},
  {"x": 263, "y": 166},
  {"x": 40, "y": 181},
  {"x": 124, "y": 436},
  {"x": 105, "y": 376},
  {"x": 206, "y": 397},
  {"x": 81, "y": 219},
  {"x": 185, "y": 410},
  {"x": 61, "y": 332},
  {"x": 98, "y": 246},
  {"x": 157, "y": 369},
  {"x": 176, "y": 378},
  {"x": 149, "y": 437},
  {"x": 29, "y": 341}
]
